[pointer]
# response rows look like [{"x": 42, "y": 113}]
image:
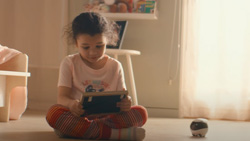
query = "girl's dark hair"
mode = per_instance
[{"x": 92, "y": 23}]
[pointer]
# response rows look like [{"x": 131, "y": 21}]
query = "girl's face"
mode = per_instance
[{"x": 91, "y": 48}]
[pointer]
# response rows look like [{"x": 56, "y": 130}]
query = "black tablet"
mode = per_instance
[{"x": 102, "y": 102}]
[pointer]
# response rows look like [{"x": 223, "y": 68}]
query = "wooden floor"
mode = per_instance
[{"x": 33, "y": 127}]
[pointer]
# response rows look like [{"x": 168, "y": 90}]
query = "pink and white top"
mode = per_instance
[{"x": 75, "y": 74}]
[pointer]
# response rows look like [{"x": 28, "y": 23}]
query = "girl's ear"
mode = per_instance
[{"x": 76, "y": 43}]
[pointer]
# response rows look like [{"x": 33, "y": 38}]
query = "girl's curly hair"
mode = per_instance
[{"x": 92, "y": 23}]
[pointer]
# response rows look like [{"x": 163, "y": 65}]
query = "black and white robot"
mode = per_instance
[{"x": 199, "y": 127}]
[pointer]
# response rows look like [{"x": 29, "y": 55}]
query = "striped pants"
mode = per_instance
[{"x": 89, "y": 127}]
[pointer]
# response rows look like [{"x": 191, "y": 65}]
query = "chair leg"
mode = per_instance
[{"x": 4, "y": 111}]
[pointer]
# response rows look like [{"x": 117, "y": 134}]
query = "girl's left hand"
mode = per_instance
[{"x": 125, "y": 104}]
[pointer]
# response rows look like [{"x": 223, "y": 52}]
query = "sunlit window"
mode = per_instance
[{"x": 217, "y": 39}]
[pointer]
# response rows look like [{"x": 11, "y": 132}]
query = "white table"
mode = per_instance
[
  {"x": 3, "y": 76},
  {"x": 127, "y": 53}
]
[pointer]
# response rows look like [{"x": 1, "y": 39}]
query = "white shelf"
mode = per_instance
[
  {"x": 122, "y": 52},
  {"x": 132, "y": 16},
  {"x": 14, "y": 73}
]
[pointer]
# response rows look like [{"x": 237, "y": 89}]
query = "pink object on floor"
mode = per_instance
[{"x": 18, "y": 102}]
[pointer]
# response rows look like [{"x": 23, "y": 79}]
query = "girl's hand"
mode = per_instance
[
  {"x": 125, "y": 104},
  {"x": 76, "y": 108}
]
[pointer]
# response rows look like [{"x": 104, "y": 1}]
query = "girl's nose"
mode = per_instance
[{"x": 92, "y": 51}]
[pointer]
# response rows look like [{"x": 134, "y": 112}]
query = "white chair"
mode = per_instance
[
  {"x": 13, "y": 87},
  {"x": 128, "y": 54}
]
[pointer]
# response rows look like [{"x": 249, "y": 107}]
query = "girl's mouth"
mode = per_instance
[{"x": 93, "y": 58}]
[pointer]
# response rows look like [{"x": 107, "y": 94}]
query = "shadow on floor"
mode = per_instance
[{"x": 34, "y": 136}]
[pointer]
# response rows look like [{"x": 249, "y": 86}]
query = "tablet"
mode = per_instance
[{"x": 102, "y": 102}]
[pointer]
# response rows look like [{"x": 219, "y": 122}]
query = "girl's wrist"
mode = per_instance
[{"x": 72, "y": 103}]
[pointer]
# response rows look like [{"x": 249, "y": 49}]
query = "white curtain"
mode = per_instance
[{"x": 215, "y": 72}]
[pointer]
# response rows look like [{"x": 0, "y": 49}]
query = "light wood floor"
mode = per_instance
[{"x": 33, "y": 127}]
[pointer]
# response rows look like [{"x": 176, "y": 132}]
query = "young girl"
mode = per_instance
[{"x": 92, "y": 70}]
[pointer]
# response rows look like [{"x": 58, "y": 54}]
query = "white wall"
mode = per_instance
[{"x": 153, "y": 39}]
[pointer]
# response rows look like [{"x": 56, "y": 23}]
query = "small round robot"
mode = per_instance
[{"x": 199, "y": 127}]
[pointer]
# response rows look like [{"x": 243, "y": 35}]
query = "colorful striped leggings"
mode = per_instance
[{"x": 89, "y": 127}]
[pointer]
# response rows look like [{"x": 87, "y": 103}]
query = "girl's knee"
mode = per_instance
[
  {"x": 143, "y": 112},
  {"x": 54, "y": 113}
]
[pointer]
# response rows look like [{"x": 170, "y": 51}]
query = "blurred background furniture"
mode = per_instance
[{"x": 13, "y": 87}]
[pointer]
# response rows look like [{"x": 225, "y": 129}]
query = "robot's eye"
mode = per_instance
[{"x": 198, "y": 125}]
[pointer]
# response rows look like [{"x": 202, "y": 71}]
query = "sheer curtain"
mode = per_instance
[{"x": 215, "y": 73}]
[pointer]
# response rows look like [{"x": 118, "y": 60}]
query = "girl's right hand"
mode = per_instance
[{"x": 76, "y": 108}]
